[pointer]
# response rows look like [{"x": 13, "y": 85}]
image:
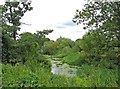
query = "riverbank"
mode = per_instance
[
  {"x": 104, "y": 73},
  {"x": 34, "y": 74}
]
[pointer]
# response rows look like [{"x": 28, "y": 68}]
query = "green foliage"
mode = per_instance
[
  {"x": 64, "y": 42},
  {"x": 93, "y": 45},
  {"x": 99, "y": 76},
  {"x": 41, "y": 36},
  {"x": 77, "y": 59},
  {"x": 33, "y": 74},
  {"x": 77, "y": 46},
  {"x": 60, "y": 47},
  {"x": 102, "y": 17},
  {"x": 12, "y": 12},
  {"x": 24, "y": 48},
  {"x": 64, "y": 52},
  {"x": 28, "y": 44},
  {"x": 24, "y": 76},
  {"x": 7, "y": 46},
  {"x": 96, "y": 13},
  {"x": 49, "y": 47},
  {"x": 96, "y": 54},
  {"x": 64, "y": 47}
]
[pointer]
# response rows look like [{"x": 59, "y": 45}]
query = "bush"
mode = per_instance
[{"x": 43, "y": 60}]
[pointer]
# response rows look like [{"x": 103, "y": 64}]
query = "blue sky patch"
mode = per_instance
[
  {"x": 69, "y": 23},
  {"x": 60, "y": 26}
]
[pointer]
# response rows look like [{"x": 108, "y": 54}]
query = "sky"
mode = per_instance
[{"x": 56, "y": 15}]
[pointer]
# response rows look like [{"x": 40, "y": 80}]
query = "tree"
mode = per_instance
[
  {"x": 102, "y": 15},
  {"x": 7, "y": 47},
  {"x": 63, "y": 42},
  {"x": 27, "y": 47},
  {"x": 93, "y": 45},
  {"x": 50, "y": 47},
  {"x": 64, "y": 46},
  {"x": 12, "y": 12},
  {"x": 77, "y": 45},
  {"x": 105, "y": 17},
  {"x": 41, "y": 36}
]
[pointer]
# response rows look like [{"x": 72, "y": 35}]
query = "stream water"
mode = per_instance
[{"x": 63, "y": 69}]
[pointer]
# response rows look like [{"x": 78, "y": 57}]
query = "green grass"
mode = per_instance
[
  {"x": 102, "y": 73},
  {"x": 99, "y": 76},
  {"x": 33, "y": 74},
  {"x": 74, "y": 59}
]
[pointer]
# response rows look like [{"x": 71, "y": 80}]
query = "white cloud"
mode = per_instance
[
  {"x": 73, "y": 32},
  {"x": 48, "y": 14},
  {"x": 2, "y": 2}
]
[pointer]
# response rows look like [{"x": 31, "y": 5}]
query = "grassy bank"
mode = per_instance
[
  {"x": 99, "y": 76},
  {"x": 74, "y": 59},
  {"x": 102, "y": 73},
  {"x": 33, "y": 74}
]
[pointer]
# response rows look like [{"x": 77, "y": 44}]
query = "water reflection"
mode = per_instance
[{"x": 65, "y": 69}]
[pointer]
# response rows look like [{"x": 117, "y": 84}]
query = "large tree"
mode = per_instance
[
  {"x": 105, "y": 17},
  {"x": 102, "y": 15},
  {"x": 12, "y": 12}
]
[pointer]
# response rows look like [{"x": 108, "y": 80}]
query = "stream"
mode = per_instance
[{"x": 62, "y": 68}]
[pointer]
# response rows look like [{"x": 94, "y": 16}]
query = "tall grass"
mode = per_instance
[
  {"x": 99, "y": 76},
  {"x": 35, "y": 75}
]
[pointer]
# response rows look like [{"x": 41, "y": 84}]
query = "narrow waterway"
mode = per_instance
[{"x": 63, "y": 69}]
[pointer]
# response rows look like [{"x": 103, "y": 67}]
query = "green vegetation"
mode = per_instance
[
  {"x": 78, "y": 59},
  {"x": 32, "y": 74},
  {"x": 99, "y": 76},
  {"x": 25, "y": 56}
]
